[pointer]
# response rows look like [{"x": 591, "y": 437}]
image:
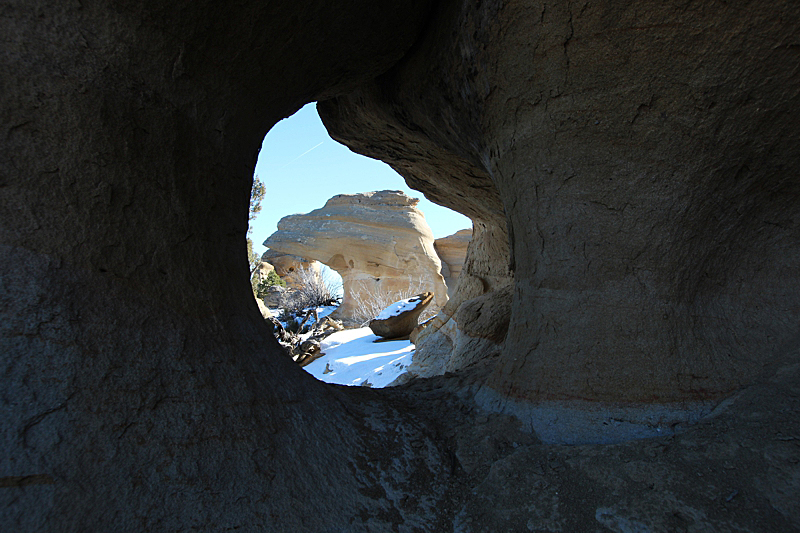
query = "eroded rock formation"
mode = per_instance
[
  {"x": 447, "y": 346},
  {"x": 643, "y": 200},
  {"x": 290, "y": 267},
  {"x": 631, "y": 169},
  {"x": 452, "y": 251},
  {"x": 378, "y": 242},
  {"x": 262, "y": 270}
]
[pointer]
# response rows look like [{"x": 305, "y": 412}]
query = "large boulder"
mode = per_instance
[
  {"x": 452, "y": 251},
  {"x": 275, "y": 296},
  {"x": 378, "y": 242},
  {"x": 262, "y": 270},
  {"x": 399, "y": 319}
]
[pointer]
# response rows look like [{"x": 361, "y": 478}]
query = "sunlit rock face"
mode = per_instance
[
  {"x": 262, "y": 270},
  {"x": 449, "y": 343},
  {"x": 378, "y": 242},
  {"x": 291, "y": 268},
  {"x": 452, "y": 251},
  {"x": 631, "y": 169}
]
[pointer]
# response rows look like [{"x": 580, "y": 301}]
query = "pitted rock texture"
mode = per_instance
[
  {"x": 452, "y": 251},
  {"x": 631, "y": 169},
  {"x": 736, "y": 471},
  {"x": 378, "y": 242}
]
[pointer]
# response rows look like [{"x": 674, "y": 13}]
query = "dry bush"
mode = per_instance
[
  {"x": 368, "y": 302},
  {"x": 315, "y": 289}
]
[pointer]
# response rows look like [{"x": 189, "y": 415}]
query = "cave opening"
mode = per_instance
[
  {"x": 631, "y": 169},
  {"x": 385, "y": 229},
  {"x": 302, "y": 167}
]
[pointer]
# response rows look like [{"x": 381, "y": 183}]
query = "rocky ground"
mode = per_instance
[{"x": 735, "y": 471}]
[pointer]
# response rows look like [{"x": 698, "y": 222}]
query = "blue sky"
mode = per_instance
[{"x": 302, "y": 167}]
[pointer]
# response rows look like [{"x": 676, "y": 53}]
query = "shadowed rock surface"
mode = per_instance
[
  {"x": 631, "y": 170},
  {"x": 648, "y": 201}
]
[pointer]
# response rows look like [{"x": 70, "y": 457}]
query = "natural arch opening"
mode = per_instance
[
  {"x": 634, "y": 165},
  {"x": 302, "y": 168},
  {"x": 379, "y": 245}
]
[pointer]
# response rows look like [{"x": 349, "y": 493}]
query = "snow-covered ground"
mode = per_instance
[{"x": 352, "y": 357}]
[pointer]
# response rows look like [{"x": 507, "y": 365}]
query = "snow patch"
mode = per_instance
[
  {"x": 399, "y": 307},
  {"x": 352, "y": 357}
]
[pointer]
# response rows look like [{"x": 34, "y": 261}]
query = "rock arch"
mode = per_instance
[
  {"x": 631, "y": 170},
  {"x": 378, "y": 242}
]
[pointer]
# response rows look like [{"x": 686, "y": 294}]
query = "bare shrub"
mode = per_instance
[
  {"x": 368, "y": 302},
  {"x": 315, "y": 289}
]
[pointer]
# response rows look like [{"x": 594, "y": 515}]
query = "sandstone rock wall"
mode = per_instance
[
  {"x": 640, "y": 193},
  {"x": 452, "y": 251},
  {"x": 262, "y": 270},
  {"x": 378, "y": 242},
  {"x": 289, "y": 267},
  {"x": 632, "y": 172},
  {"x": 448, "y": 343}
]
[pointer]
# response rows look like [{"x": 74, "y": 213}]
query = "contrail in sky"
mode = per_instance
[{"x": 301, "y": 155}]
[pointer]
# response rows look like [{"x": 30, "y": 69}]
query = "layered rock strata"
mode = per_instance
[{"x": 378, "y": 242}]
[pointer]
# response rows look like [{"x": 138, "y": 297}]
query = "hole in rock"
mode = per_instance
[{"x": 379, "y": 243}]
